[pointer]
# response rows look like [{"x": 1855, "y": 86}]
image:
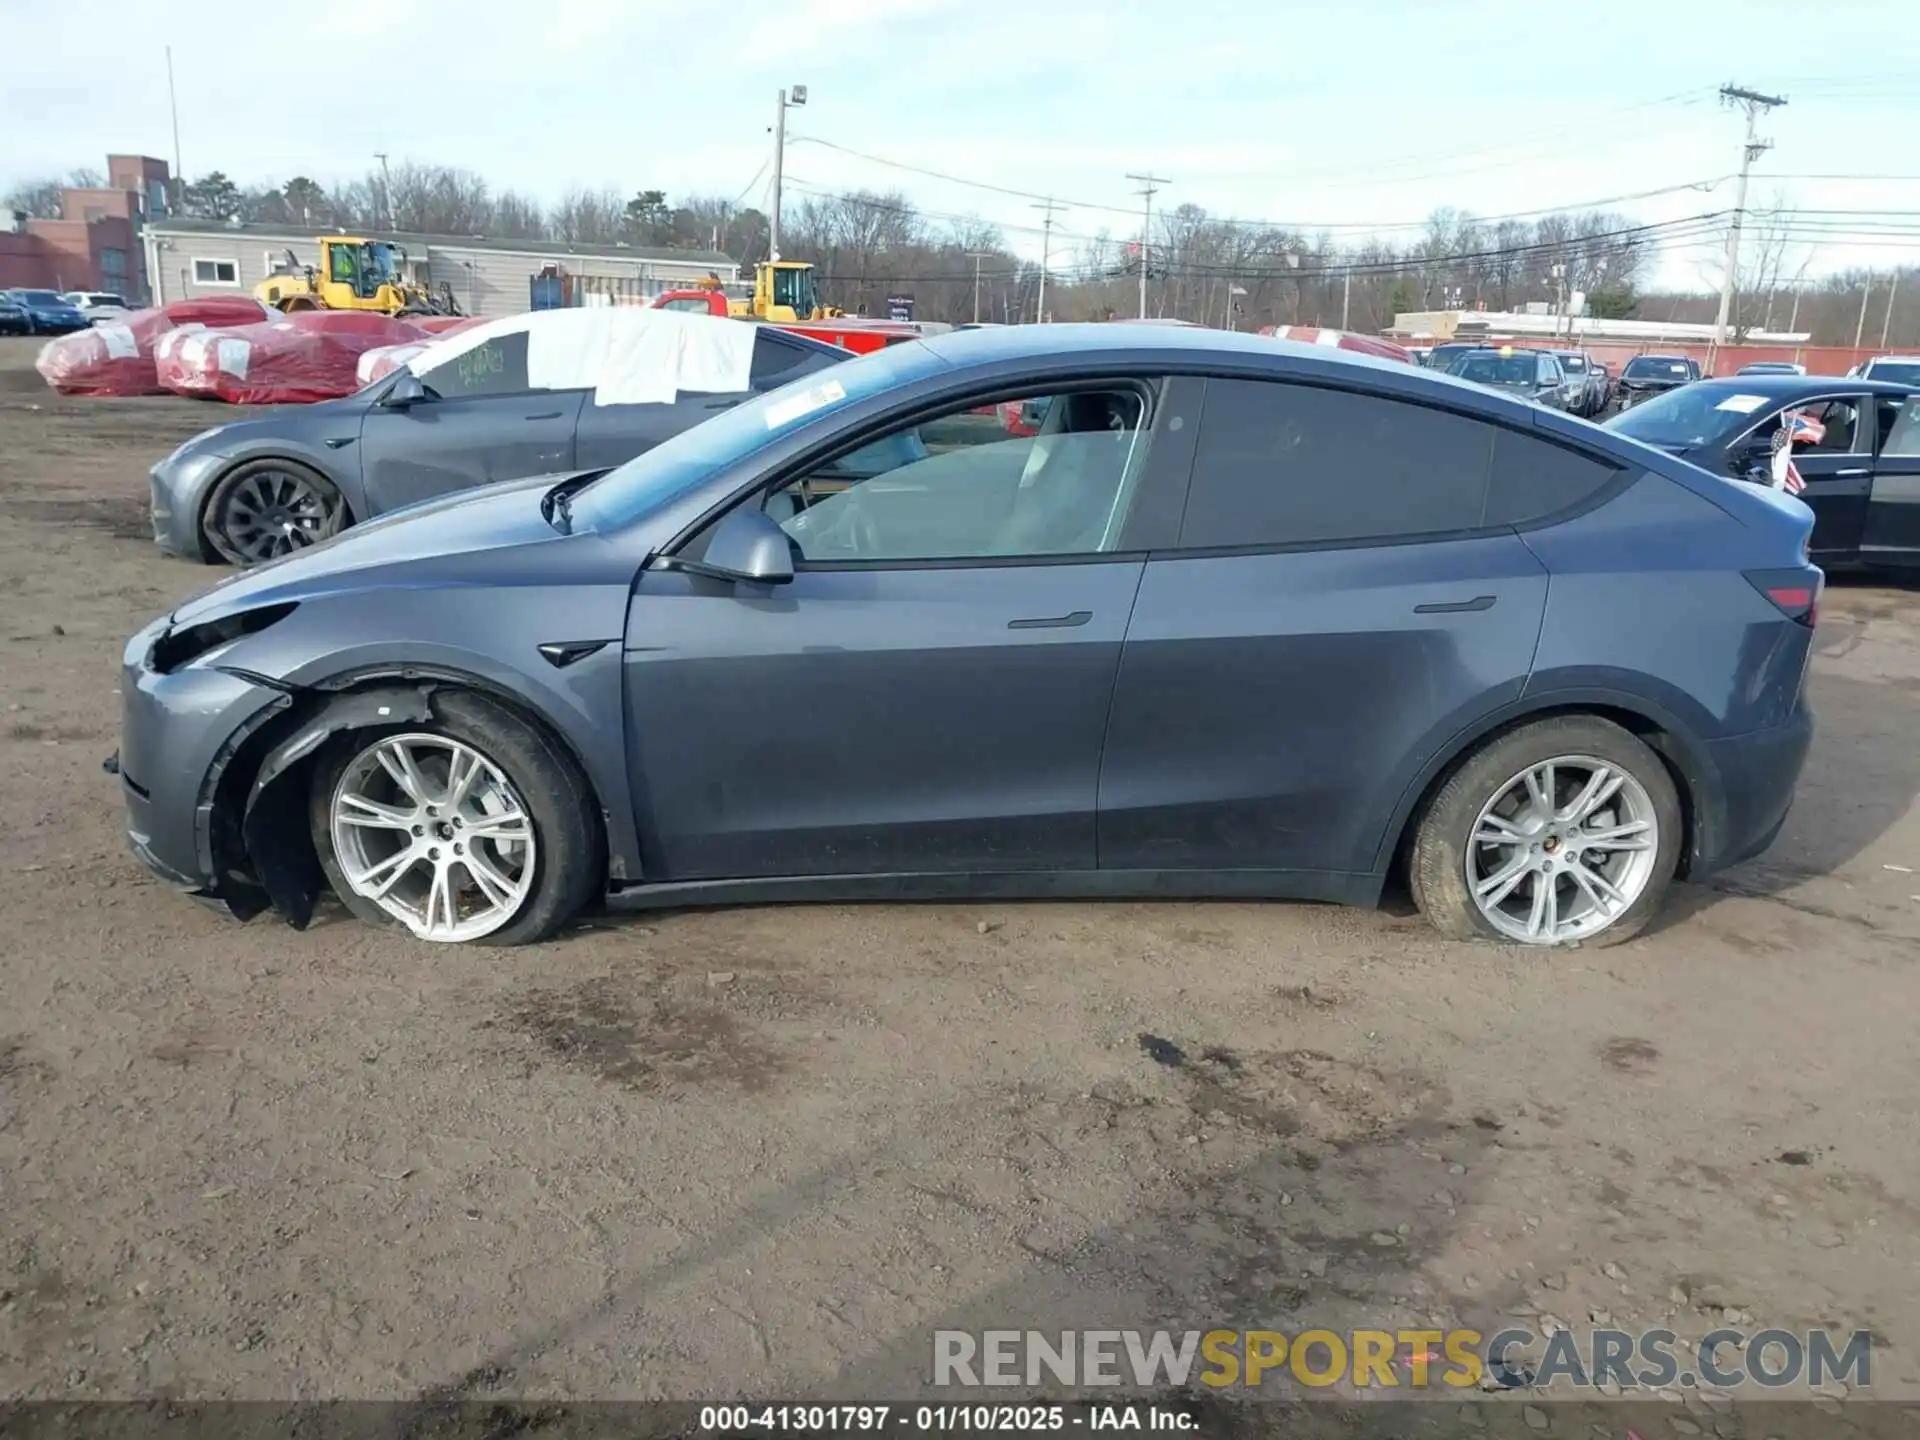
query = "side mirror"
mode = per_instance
[
  {"x": 405, "y": 392},
  {"x": 747, "y": 545}
]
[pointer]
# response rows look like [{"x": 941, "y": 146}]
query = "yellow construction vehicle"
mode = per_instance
[
  {"x": 354, "y": 274},
  {"x": 783, "y": 290}
]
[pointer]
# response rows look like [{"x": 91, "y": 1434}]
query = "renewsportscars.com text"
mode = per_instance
[{"x": 1411, "y": 1359}]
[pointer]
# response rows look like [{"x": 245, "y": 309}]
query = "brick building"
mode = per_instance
[{"x": 96, "y": 242}]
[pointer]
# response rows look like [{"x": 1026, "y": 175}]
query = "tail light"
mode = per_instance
[{"x": 1795, "y": 593}]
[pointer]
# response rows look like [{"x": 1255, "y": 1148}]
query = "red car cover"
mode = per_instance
[
  {"x": 117, "y": 358},
  {"x": 375, "y": 364},
  {"x": 309, "y": 355},
  {"x": 1340, "y": 340}
]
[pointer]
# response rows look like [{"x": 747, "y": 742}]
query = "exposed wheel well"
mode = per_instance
[
  {"x": 273, "y": 848},
  {"x": 1648, "y": 731}
]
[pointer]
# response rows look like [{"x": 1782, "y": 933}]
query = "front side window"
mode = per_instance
[
  {"x": 498, "y": 367},
  {"x": 967, "y": 485},
  {"x": 1285, "y": 464}
]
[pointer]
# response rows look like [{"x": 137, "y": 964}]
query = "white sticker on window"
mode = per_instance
[
  {"x": 1742, "y": 404},
  {"x": 815, "y": 397}
]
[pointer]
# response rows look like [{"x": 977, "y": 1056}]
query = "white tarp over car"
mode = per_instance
[{"x": 626, "y": 355}]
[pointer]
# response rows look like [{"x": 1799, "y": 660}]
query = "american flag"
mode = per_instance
[{"x": 1796, "y": 428}]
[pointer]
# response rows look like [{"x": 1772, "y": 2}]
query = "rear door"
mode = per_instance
[
  {"x": 1892, "y": 531},
  {"x": 1344, "y": 597},
  {"x": 481, "y": 422},
  {"x": 613, "y": 434}
]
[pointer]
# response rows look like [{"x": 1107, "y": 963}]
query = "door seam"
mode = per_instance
[{"x": 1113, "y": 693}]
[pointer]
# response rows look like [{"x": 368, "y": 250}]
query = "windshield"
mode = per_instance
[
  {"x": 1900, "y": 372},
  {"x": 1692, "y": 416},
  {"x": 1485, "y": 369},
  {"x": 40, "y": 297},
  {"x": 1655, "y": 367},
  {"x": 670, "y": 469},
  {"x": 1574, "y": 364}
]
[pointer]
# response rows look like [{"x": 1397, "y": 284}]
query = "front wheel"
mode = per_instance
[
  {"x": 268, "y": 508},
  {"x": 471, "y": 827},
  {"x": 1566, "y": 829}
]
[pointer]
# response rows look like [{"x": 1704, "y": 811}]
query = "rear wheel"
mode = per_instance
[
  {"x": 268, "y": 508},
  {"x": 472, "y": 827},
  {"x": 1564, "y": 830}
]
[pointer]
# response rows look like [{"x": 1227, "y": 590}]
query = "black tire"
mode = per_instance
[
  {"x": 570, "y": 865},
  {"x": 1437, "y": 862},
  {"x": 222, "y": 523}
]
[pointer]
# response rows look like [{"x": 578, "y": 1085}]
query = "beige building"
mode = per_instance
[{"x": 186, "y": 258}]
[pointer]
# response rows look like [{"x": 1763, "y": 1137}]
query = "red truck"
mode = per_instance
[{"x": 861, "y": 336}]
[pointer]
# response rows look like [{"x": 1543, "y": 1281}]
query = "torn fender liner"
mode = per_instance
[{"x": 274, "y": 828}]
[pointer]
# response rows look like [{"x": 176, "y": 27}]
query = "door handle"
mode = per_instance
[
  {"x": 546, "y": 415},
  {"x": 1854, "y": 473},
  {"x": 722, "y": 404},
  {"x": 1052, "y": 622},
  {"x": 1455, "y": 607}
]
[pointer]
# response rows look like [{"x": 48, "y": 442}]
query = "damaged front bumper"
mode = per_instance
[{"x": 212, "y": 771}]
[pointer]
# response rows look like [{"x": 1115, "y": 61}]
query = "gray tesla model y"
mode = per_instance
[{"x": 1120, "y": 610}]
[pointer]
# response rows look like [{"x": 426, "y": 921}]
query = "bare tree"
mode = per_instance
[
  {"x": 38, "y": 199},
  {"x": 588, "y": 217}
]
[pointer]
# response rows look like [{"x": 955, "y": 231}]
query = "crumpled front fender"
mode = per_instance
[{"x": 274, "y": 828}]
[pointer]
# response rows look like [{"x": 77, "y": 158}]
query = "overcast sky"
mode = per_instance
[{"x": 1338, "y": 113}]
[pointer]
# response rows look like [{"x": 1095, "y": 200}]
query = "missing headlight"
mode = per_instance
[{"x": 183, "y": 646}]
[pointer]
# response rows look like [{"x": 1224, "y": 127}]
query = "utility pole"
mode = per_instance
[
  {"x": 386, "y": 186},
  {"x": 173, "y": 106},
  {"x": 1148, "y": 188},
  {"x": 799, "y": 97},
  {"x": 1893, "y": 288},
  {"x": 1755, "y": 104},
  {"x": 1860, "y": 326},
  {"x": 1346, "y": 294},
  {"x": 977, "y": 256},
  {"x": 1046, "y": 207}
]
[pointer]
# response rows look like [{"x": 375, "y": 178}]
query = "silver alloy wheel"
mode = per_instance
[
  {"x": 433, "y": 832},
  {"x": 1562, "y": 850},
  {"x": 275, "y": 512}
]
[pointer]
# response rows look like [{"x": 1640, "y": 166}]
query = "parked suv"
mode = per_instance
[
  {"x": 1593, "y": 386},
  {"x": 1531, "y": 374},
  {"x": 1240, "y": 620}
]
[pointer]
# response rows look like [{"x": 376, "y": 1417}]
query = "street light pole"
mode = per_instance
[
  {"x": 1148, "y": 188},
  {"x": 799, "y": 97}
]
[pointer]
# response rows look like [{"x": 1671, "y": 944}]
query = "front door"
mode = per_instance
[
  {"x": 1892, "y": 533},
  {"x": 1835, "y": 463},
  {"x": 479, "y": 422},
  {"x": 930, "y": 692},
  {"x": 1347, "y": 594}
]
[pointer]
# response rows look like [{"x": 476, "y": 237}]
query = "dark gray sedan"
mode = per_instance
[
  {"x": 265, "y": 486},
  {"x": 1234, "y": 617}
]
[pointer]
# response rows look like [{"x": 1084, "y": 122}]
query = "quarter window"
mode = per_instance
[
  {"x": 1036, "y": 476},
  {"x": 1282, "y": 464}
]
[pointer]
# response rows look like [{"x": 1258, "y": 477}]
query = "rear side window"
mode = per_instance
[
  {"x": 1284, "y": 464},
  {"x": 1536, "y": 478}
]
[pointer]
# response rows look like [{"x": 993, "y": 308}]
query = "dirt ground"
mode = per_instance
[{"x": 770, "y": 1151}]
